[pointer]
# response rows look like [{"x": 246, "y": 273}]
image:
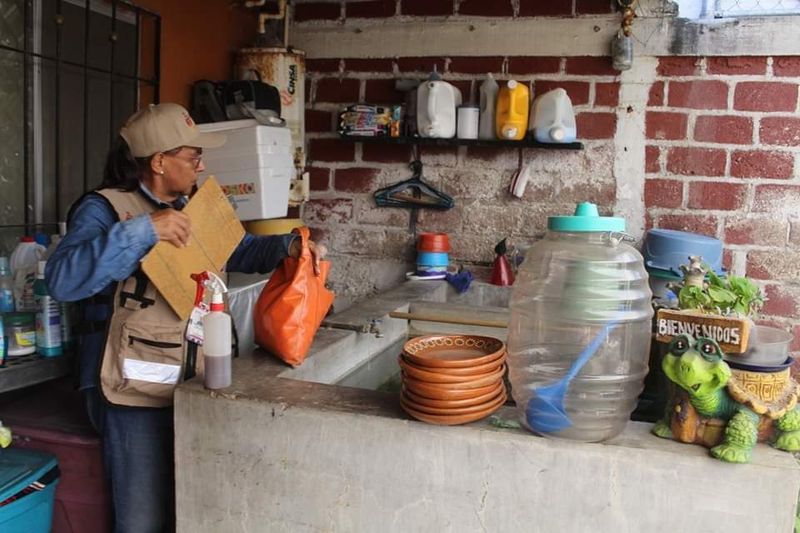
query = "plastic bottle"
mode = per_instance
[
  {"x": 2, "y": 342},
  {"x": 48, "y": 318},
  {"x": 488, "y": 105},
  {"x": 513, "y": 104},
  {"x": 217, "y": 339},
  {"x": 24, "y": 259},
  {"x": 6, "y": 287},
  {"x": 553, "y": 120}
]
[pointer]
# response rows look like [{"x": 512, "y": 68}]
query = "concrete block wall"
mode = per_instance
[{"x": 715, "y": 150}]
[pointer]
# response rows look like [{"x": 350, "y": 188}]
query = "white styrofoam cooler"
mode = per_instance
[{"x": 254, "y": 167}]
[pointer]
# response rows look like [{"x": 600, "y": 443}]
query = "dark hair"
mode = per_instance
[{"x": 122, "y": 170}]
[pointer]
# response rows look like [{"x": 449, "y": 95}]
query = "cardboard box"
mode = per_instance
[{"x": 216, "y": 232}]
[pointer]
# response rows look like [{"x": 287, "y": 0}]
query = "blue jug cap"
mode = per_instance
[{"x": 586, "y": 218}]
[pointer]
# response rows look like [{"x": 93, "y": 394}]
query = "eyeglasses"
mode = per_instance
[{"x": 194, "y": 161}]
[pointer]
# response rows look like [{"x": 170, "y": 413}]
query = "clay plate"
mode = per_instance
[
  {"x": 451, "y": 420},
  {"x": 420, "y": 388},
  {"x": 485, "y": 368},
  {"x": 476, "y": 382},
  {"x": 435, "y": 376},
  {"x": 453, "y": 351},
  {"x": 448, "y": 404},
  {"x": 498, "y": 400}
]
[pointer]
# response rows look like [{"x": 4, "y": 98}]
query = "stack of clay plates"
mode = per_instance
[{"x": 452, "y": 379}]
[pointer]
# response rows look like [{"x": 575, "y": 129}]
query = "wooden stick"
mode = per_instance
[{"x": 446, "y": 320}]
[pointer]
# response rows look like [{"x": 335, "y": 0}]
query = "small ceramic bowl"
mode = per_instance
[
  {"x": 433, "y": 242},
  {"x": 453, "y": 351},
  {"x": 767, "y": 347}
]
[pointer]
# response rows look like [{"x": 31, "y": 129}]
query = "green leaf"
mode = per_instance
[
  {"x": 714, "y": 280},
  {"x": 721, "y": 296}
]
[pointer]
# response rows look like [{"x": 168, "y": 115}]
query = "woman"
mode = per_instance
[{"x": 131, "y": 347}]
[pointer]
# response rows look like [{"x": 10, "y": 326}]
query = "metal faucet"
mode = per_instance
[
  {"x": 372, "y": 327},
  {"x": 375, "y": 329}
]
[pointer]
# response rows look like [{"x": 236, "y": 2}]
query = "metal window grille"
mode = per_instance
[
  {"x": 73, "y": 71},
  {"x": 708, "y": 9}
]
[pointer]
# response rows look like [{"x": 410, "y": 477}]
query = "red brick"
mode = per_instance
[
  {"x": 317, "y": 11},
  {"x": 769, "y": 264},
  {"x": 319, "y": 178},
  {"x": 355, "y": 179},
  {"x": 666, "y": 126},
  {"x": 375, "y": 9},
  {"x": 606, "y": 94},
  {"x": 336, "y": 90},
  {"x": 322, "y": 65},
  {"x": 777, "y": 199},
  {"x": 727, "y": 259},
  {"x": 678, "y": 66},
  {"x": 596, "y": 125},
  {"x": 533, "y": 65},
  {"x": 495, "y": 8},
  {"x": 761, "y": 164},
  {"x": 386, "y": 153},
  {"x": 703, "y": 224},
  {"x": 324, "y": 211},
  {"x": 714, "y": 195},
  {"x": 656, "y": 97},
  {"x": 786, "y": 66},
  {"x": 331, "y": 150},
  {"x": 652, "y": 154},
  {"x": 382, "y": 92},
  {"x": 784, "y": 131},
  {"x": 595, "y": 66},
  {"x": 724, "y": 129},
  {"x": 578, "y": 91},
  {"x": 765, "y": 96},
  {"x": 594, "y": 7},
  {"x": 737, "y": 66},
  {"x": 426, "y": 7},
  {"x": 476, "y": 65},
  {"x": 368, "y": 65},
  {"x": 781, "y": 301},
  {"x": 420, "y": 64},
  {"x": 696, "y": 161},
  {"x": 761, "y": 231},
  {"x": 707, "y": 94},
  {"x": 318, "y": 121},
  {"x": 663, "y": 193},
  {"x": 539, "y": 8}
]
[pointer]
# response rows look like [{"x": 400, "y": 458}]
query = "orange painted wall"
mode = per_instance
[{"x": 198, "y": 41}]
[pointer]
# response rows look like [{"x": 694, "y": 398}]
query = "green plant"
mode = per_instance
[{"x": 731, "y": 295}]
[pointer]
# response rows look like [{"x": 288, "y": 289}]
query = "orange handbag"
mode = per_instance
[{"x": 292, "y": 305}]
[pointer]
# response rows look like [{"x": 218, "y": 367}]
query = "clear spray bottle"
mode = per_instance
[{"x": 217, "y": 345}]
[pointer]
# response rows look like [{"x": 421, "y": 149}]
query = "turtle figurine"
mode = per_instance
[{"x": 745, "y": 407}]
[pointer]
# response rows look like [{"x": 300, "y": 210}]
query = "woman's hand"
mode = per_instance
[
  {"x": 172, "y": 226},
  {"x": 318, "y": 252}
]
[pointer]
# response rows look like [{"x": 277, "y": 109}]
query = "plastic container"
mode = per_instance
[
  {"x": 488, "y": 108},
  {"x": 48, "y": 318},
  {"x": 432, "y": 259},
  {"x": 31, "y": 510},
  {"x": 667, "y": 249},
  {"x": 513, "y": 105},
  {"x": 2, "y": 342},
  {"x": 254, "y": 167},
  {"x": 6, "y": 287},
  {"x": 24, "y": 261},
  {"x": 436, "y": 109},
  {"x": 20, "y": 333},
  {"x": 468, "y": 118},
  {"x": 433, "y": 242},
  {"x": 217, "y": 345},
  {"x": 581, "y": 283},
  {"x": 767, "y": 346},
  {"x": 553, "y": 120}
]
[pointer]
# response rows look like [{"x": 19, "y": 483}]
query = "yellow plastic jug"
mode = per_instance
[{"x": 513, "y": 103}]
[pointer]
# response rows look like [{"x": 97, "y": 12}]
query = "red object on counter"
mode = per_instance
[
  {"x": 433, "y": 242},
  {"x": 502, "y": 274}
]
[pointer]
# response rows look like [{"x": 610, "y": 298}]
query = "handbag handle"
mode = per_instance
[{"x": 305, "y": 236}]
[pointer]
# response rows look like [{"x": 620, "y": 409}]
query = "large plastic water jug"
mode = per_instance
[
  {"x": 513, "y": 104},
  {"x": 486, "y": 123},
  {"x": 553, "y": 120},
  {"x": 24, "y": 262},
  {"x": 436, "y": 109},
  {"x": 581, "y": 292}
]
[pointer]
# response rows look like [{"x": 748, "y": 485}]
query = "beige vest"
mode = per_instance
[{"x": 146, "y": 349}]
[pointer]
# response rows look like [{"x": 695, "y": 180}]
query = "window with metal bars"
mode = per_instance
[
  {"x": 72, "y": 72},
  {"x": 717, "y": 9}
]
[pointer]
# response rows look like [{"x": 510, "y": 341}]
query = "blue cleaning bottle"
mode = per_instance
[{"x": 48, "y": 318}]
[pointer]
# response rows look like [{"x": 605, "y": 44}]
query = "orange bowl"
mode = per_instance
[
  {"x": 453, "y": 351},
  {"x": 433, "y": 242}
]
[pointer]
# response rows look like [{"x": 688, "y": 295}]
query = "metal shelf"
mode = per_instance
[
  {"x": 26, "y": 370},
  {"x": 528, "y": 142}
]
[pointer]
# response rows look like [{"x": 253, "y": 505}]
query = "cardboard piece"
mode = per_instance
[
  {"x": 216, "y": 232},
  {"x": 732, "y": 334}
]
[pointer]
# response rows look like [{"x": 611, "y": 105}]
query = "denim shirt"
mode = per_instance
[{"x": 98, "y": 251}]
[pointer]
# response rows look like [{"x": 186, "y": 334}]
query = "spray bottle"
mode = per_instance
[{"x": 217, "y": 345}]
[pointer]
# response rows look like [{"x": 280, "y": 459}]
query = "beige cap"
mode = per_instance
[{"x": 163, "y": 127}]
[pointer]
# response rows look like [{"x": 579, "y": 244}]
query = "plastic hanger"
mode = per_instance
[{"x": 413, "y": 192}]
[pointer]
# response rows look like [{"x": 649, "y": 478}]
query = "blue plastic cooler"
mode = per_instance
[{"x": 28, "y": 482}]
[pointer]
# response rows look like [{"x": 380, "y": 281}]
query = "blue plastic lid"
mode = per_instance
[
  {"x": 586, "y": 218},
  {"x": 20, "y": 467}
]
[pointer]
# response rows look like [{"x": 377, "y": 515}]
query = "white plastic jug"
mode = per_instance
[
  {"x": 436, "y": 109},
  {"x": 488, "y": 91},
  {"x": 553, "y": 120},
  {"x": 24, "y": 262}
]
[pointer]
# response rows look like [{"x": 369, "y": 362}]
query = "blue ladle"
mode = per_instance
[{"x": 545, "y": 411}]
